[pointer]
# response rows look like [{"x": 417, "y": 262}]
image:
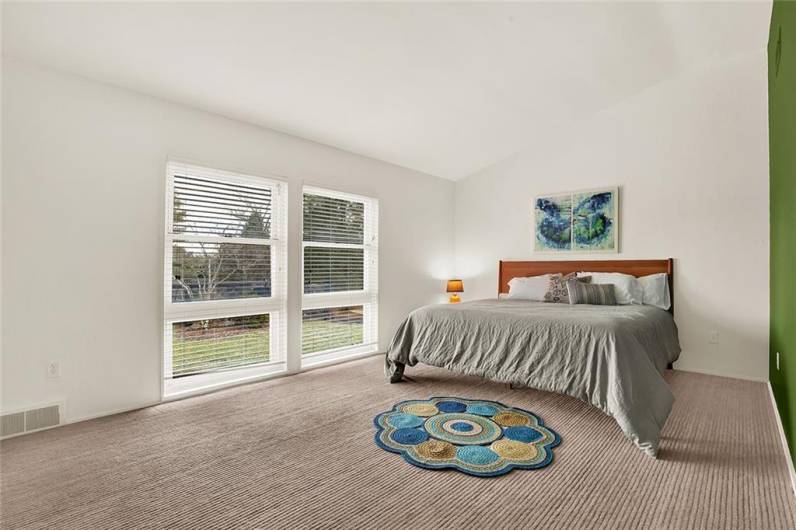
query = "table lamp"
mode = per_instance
[{"x": 455, "y": 286}]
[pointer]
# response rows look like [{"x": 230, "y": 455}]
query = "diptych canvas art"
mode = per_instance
[{"x": 581, "y": 221}]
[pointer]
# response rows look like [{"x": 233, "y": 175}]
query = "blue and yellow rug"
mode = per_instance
[{"x": 477, "y": 437}]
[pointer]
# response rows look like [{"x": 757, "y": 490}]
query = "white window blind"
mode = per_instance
[
  {"x": 225, "y": 282},
  {"x": 340, "y": 275}
]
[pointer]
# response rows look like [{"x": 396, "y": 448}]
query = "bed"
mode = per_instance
[{"x": 612, "y": 357}]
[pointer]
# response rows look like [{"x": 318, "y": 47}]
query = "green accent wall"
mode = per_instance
[{"x": 782, "y": 160}]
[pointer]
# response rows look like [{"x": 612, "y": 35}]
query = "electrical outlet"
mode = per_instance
[
  {"x": 777, "y": 361},
  {"x": 713, "y": 337},
  {"x": 53, "y": 370}
]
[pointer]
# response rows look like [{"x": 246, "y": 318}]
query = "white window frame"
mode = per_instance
[
  {"x": 368, "y": 297},
  {"x": 275, "y": 305}
]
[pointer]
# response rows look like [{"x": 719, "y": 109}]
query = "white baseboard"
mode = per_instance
[
  {"x": 783, "y": 440},
  {"x": 68, "y": 421},
  {"x": 723, "y": 374},
  {"x": 108, "y": 413},
  {"x": 198, "y": 392}
]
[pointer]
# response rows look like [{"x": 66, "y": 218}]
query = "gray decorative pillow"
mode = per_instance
[
  {"x": 557, "y": 287},
  {"x": 594, "y": 294}
]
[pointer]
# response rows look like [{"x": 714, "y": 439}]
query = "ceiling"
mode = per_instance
[{"x": 446, "y": 89}]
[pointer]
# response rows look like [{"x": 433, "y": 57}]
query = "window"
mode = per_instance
[
  {"x": 225, "y": 291},
  {"x": 340, "y": 275}
]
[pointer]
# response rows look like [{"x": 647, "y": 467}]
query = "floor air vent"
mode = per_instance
[
  {"x": 12, "y": 424},
  {"x": 29, "y": 420}
]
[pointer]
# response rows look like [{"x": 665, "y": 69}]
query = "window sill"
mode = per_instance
[
  {"x": 203, "y": 383},
  {"x": 179, "y": 389},
  {"x": 317, "y": 360}
]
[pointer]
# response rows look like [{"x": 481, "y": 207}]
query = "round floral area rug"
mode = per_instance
[{"x": 477, "y": 437}]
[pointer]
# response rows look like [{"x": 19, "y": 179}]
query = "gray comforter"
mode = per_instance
[{"x": 610, "y": 356}]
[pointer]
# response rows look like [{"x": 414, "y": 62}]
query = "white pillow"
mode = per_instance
[
  {"x": 531, "y": 288},
  {"x": 626, "y": 287},
  {"x": 656, "y": 290}
]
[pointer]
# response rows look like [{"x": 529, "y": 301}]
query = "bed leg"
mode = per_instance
[{"x": 398, "y": 373}]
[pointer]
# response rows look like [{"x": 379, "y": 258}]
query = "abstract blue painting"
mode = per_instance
[
  {"x": 554, "y": 222},
  {"x": 594, "y": 220},
  {"x": 585, "y": 221}
]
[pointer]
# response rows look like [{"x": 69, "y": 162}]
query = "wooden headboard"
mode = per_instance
[{"x": 637, "y": 267}]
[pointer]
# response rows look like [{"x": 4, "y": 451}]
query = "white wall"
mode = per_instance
[
  {"x": 83, "y": 222},
  {"x": 83, "y": 197},
  {"x": 691, "y": 157}
]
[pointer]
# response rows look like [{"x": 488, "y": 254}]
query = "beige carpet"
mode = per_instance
[{"x": 298, "y": 452}]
